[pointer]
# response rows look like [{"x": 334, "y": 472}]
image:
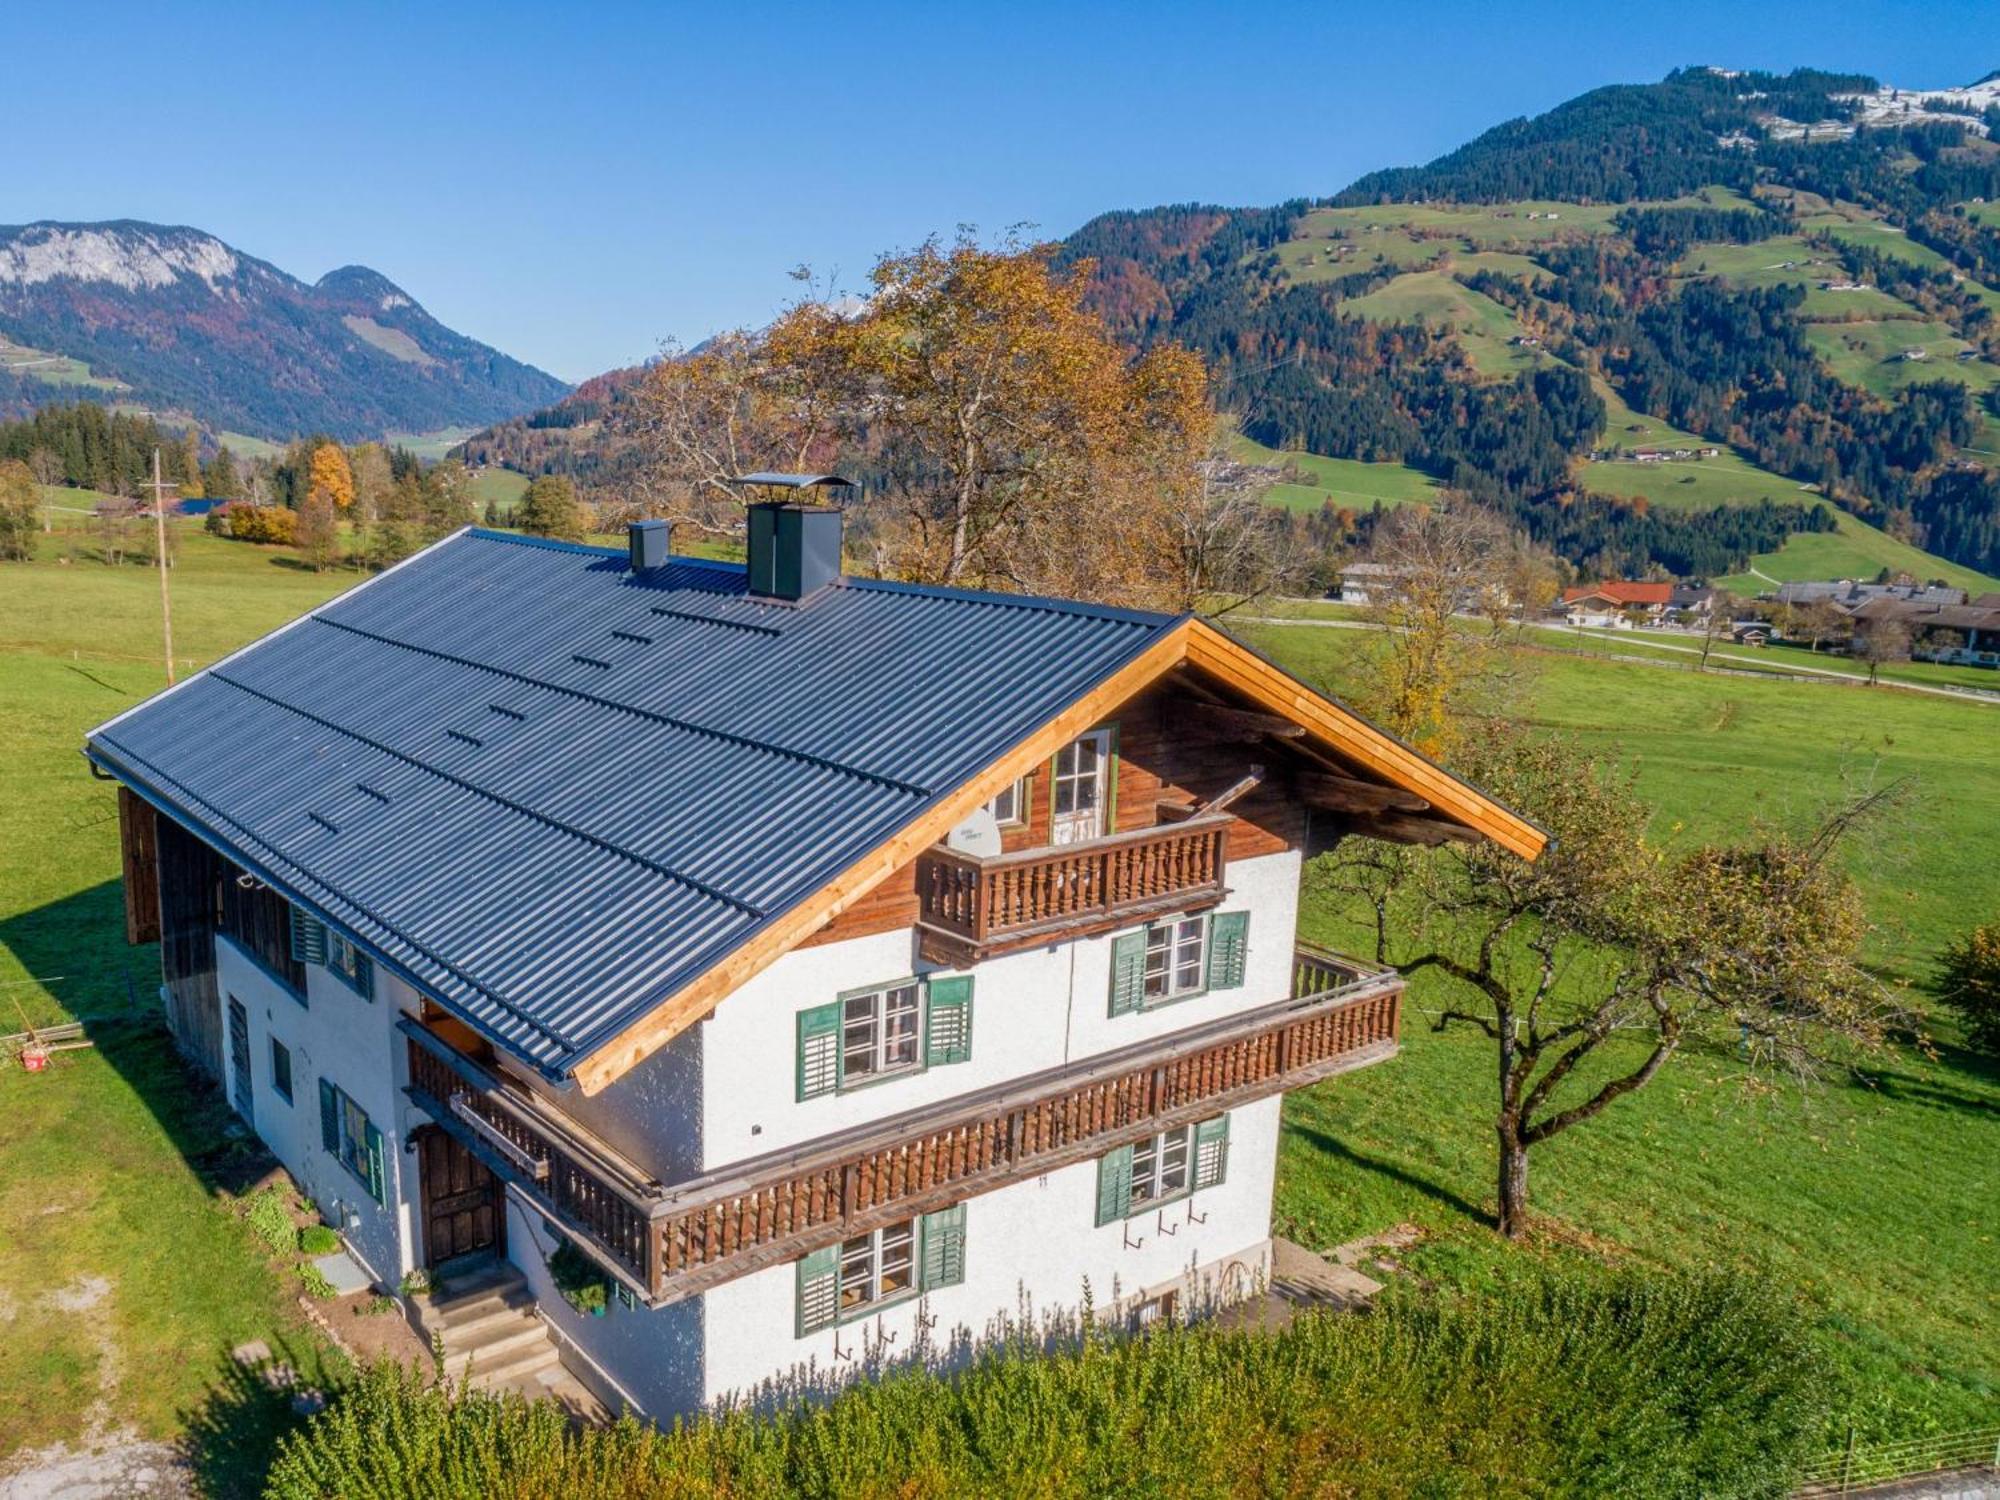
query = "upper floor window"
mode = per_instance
[
  {"x": 350, "y": 965},
  {"x": 871, "y": 1271},
  {"x": 313, "y": 942},
  {"x": 1080, "y": 789},
  {"x": 1178, "y": 958},
  {"x": 884, "y": 1031},
  {"x": 1161, "y": 1168},
  {"x": 1010, "y": 808},
  {"x": 879, "y": 1032}
]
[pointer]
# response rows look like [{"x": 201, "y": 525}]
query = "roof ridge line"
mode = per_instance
[
  {"x": 748, "y": 908},
  {"x": 824, "y": 762}
]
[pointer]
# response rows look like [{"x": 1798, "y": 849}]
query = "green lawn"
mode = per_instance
[
  {"x": 1854, "y": 550},
  {"x": 1790, "y": 259},
  {"x": 51, "y": 369},
  {"x": 495, "y": 484},
  {"x": 1694, "y": 484},
  {"x": 1872, "y": 355},
  {"x": 1347, "y": 482},
  {"x": 1438, "y": 297},
  {"x": 430, "y": 445},
  {"x": 114, "y": 1172},
  {"x": 1873, "y": 1197}
]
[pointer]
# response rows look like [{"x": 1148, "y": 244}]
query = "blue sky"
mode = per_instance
[{"x": 574, "y": 183}]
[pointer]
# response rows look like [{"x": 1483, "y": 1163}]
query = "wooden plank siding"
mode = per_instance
[
  {"x": 138, "y": 846},
  {"x": 1162, "y": 757}
]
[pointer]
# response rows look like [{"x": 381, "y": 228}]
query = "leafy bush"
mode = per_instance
[
  {"x": 1681, "y": 1386},
  {"x": 579, "y": 1278},
  {"x": 315, "y": 1282},
  {"x": 317, "y": 1239},
  {"x": 415, "y": 1283},
  {"x": 244, "y": 522},
  {"x": 1968, "y": 980},
  {"x": 270, "y": 1215}
]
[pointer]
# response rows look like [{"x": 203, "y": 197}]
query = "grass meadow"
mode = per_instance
[{"x": 125, "y": 1274}]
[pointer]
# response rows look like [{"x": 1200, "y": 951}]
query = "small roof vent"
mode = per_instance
[{"x": 647, "y": 542}]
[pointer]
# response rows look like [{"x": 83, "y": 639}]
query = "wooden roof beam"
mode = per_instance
[
  {"x": 1334, "y": 793},
  {"x": 1407, "y": 828},
  {"x": 1228, "y": 723}
]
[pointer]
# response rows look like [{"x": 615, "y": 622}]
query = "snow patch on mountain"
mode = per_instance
[{"x": 132, "y": 259}]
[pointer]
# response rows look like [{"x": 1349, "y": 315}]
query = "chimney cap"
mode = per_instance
[{"x": 770, "y": 480}]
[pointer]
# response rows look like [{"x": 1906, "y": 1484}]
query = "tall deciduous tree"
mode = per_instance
[
  {"x": 330, "y": 476},
  {"x": 318, "y": 531},
  {"x": 550, "y": 509},
  {"x": 1590, "y": 967},
  {"x": 20, "y": 504}
]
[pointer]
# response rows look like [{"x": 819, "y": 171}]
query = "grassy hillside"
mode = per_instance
[
  {"x": 1868, "y": 1194},
  {"x": 1347, "y": 482},
  {"x": 1854, "y": 550}
]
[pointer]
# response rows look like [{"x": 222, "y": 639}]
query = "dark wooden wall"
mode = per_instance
[
  {"x": 138, "y": 844},
  {"x": 1166, "y": 753},
  {"x": 190, "y": 879}
]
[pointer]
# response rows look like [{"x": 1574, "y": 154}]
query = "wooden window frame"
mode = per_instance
[
  {"x": 1023, "y": 794},
  {"x": 362, "y": 1152},
  {"x": 872, "y": 1253},
  {"x": 848, "y": 1081},
  {"x": 1204, "y": 1164},
  {"x": 1175, "y": 932},
  {"x": 1156, "y": 1149},
  {"x": 821, "y": 1055}
]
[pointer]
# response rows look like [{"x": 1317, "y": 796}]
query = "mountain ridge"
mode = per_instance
[{"x": 185, "y": 322}]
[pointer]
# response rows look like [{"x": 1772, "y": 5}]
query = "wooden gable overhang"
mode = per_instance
[{"x": 1333, "y": 763}]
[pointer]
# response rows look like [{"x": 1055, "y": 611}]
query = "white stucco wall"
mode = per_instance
[
  {"x": 1034, "y": 1010},
  {"x": 352, "y": 1043},
  {"x": 1032, "y": 1249}
]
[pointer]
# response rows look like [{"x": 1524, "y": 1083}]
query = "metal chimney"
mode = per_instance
[
  {"x": 647, "y": 543},
  {"x": 794, "y": 547}
]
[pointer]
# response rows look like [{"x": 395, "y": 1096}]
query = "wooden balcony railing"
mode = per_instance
[
  {"x": 674, "y": 1242},
  {"x": 573, "y": 1177},
  {"x": 972, "y": 906}
]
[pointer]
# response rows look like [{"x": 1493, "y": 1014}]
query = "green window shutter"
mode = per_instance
[
  {"x": 308, "y": 939},
  {"x": 377, "y": 1178},
  {"x": 819, "y": 1050},
  {"x": 1228, "y": 947},
  {"x": 364, "y": 976},
  {"x": 819, "y": 1290},
  {"x": 944, "y": 1247},
  {"x": 948, "y": 1020},
  {"x": 1128, "y": 972},
  {"x": 1211, "y": 1151},
  {"x": 329, "y": 1118},
  {"x": 1114, "y": 1185}
]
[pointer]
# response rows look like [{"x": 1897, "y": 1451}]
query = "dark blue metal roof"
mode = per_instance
[{"x": 553, "y": 791}]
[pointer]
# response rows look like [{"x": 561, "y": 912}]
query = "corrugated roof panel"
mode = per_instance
[{"x": 555, "y": 791}]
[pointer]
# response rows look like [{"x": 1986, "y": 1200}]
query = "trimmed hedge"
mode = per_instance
[{"x": 1627, "y": 1386}]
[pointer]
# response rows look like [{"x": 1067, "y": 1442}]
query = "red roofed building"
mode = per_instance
[{"x": 1615, "y": 602}]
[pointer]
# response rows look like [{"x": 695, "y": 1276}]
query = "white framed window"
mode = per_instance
[
  {"x": 1176, "y": 958},
  {"x": 1161, "y": 1168},
  {"x": 881, "y": 1032},
  {"x": 1010, "y": 808},
  {"x": 878, "y": 1268}
]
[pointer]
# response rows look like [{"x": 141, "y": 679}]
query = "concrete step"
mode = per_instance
[
  {"x": 497, "y": 1343},
  {"x": 470, "y": 1325},
  {"x": 470, "y": 1300},
  {"x": 522, "y": 1362}
]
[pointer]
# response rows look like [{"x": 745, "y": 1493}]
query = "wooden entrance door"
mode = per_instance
[
  {"x": 464, "y": 1204},
  {"x": 1080, "y": 789},
  {"x": 239, "y": 1060}
]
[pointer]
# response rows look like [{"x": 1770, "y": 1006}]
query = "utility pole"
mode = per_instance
[{"x": 159, "y": 489}]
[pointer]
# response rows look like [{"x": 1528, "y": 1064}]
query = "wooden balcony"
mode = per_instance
[
  {"x": 604, "y": 1200},
  {"x": 669, "y": 1243},
  {"x": 971, "y": 907}
]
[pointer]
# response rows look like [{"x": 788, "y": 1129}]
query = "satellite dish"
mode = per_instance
[{"x": 978, "y": 833}]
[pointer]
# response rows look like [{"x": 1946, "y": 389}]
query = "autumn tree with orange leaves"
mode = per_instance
[{"x": 1005, "y": 438}]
